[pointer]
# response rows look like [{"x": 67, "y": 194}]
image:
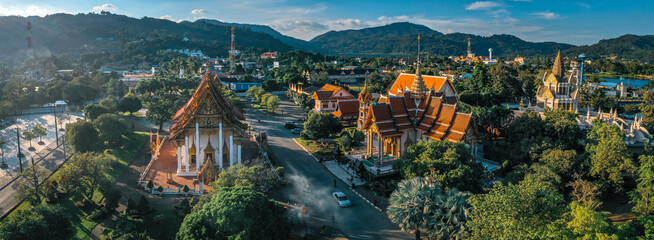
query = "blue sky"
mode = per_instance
[{"x": 576, "y": 21}]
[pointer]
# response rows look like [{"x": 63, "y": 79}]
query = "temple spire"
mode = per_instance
[
  {"x": 557, "y": 70},
  {"x": 418, "y": 61},
  {"x": 418, "y": 88}
]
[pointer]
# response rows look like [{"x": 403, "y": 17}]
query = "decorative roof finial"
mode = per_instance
[
  {"x": 418, "y": 62},
  {"x": 418, "y": 88}
]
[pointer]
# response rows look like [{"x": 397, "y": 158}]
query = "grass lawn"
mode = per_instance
[{"x": 81, "y": 226}]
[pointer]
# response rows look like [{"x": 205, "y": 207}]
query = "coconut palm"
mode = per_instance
[
  {"x": 412, "y": 204},
  {"x": 448, "y": 219}
]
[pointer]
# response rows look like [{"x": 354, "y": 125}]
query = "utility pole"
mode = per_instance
[
  {"x": 54, "y": 111},
  {"x": 20, "y": 154}
]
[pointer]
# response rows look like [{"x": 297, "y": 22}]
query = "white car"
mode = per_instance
[{"x": 342, "y": 200}]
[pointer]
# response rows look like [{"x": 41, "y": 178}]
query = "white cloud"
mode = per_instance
[
  {"x": 342, "y": 24},
  {"x": 547, "y": 15},
  {"x": 482, "y": 5},
  {"x": 31, "y": 10},
  {"x": 584, "y": 5},
  {"x": 199, "y": 11},
  {"x": 105, "y": 7},
  {"x": 168, "y": 17},
  {"x": 299, "y": 27}
]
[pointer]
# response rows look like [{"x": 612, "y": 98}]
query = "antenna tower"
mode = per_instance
[
  {"x": 30, "y": 52},
  {"x": 232, "y": 50}
]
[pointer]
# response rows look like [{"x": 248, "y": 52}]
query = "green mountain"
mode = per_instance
[
  {"x": 83, "y": 33},
  {"x": 628, "y": 47},
  {"x": 401, "y": 39},
  {"x": 291, "y": 41}
]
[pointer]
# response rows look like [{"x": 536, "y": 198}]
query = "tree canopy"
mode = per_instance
[
  {"x": 321, "y": 125},
  {"x": 454, "y": 165},
  {"x": 83, "y": 136},
  {"x": 236, "y": 213}
]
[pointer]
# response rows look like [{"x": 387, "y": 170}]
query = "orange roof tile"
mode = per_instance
[
  {"x": 347, "y": 108},
  {"x": 404, "y": 82}
]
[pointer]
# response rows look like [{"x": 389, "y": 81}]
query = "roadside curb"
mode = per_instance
[{"x": 359, "y": 194}]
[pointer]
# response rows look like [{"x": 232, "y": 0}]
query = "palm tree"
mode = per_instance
[
  {"x": 448, "y": 219},
  {"x": 411, "y": 204}
]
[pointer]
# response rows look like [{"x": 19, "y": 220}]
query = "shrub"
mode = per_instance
[
  {"x": 144, "y": 205},
  {"x": 185, "y": 189},
  {"x": 150, "y": 184},
  {"x": 97, "y": 214}
]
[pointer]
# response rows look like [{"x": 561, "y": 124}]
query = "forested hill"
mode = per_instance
[
  {"x": 629, "y": 47},
  {"x": 401, "y": 39},
  {"x": 291, "y": 41},
  {"x": 65, "y": 33}
]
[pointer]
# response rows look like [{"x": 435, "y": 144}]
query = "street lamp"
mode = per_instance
[{"x": 582, "y": 57}]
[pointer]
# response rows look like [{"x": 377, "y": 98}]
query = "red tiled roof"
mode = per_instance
[
  {"x": 322, "y": 95},
  {"x": 347, "y": 108},
  {"x": 436, "y": 115},
  {"x": 329, "y": 92},
  {"x": 404, "y": 82},
  {"x": 209, "y": 87}
]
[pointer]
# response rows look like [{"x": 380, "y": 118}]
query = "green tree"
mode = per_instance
[
  {"x": 321, "y": 125},
  {"x": 111, "y": 128},
  {"x": 39, "y": 131},
  {"x": 39, "y": 222},
  {"x": 233, "y": 99},
  {"x": 610, "y": 161},
  {"x": 563, "y": 162},
  {"x": 514, "y": 211},
  {"x": 305, "y": 101},
  {"x": 82, "y": 136},
  {"x": 255, "y": 93},
  {"x": 236, "y": 213},
  {"x": 410, "y": 204},
  {"x": 86, "y": 173},
  {"x": 160, "y": 109},
  {"x": 449, "y": 217},
  {"x": 647, "y": 111},
  {"x": 29, "y": 136},
  {"x": 453, "y": 163},
  {"x": 582, "y": 223},
  {"x": 28, "y": 184},
  {"x": 257, "y": 177},
  {"x": 93, "y": 111},
  {"x": 272, "y": 103},
  {"x": 130, "y": 103},
  {"x": 563, "y": 127},
  {"x": 110, "y": 104},
  {"x": 643, "y": 196}
]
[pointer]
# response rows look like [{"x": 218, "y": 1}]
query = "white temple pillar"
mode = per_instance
[
  {"x": 198, "y": 154},
  {"x": 239, "y": 154},
  {"x": 220, "y": 143},
  {"x": 231, "y": 151},
  {"x": 188, "y": 158},
  {"x": 179, "y": 159}
]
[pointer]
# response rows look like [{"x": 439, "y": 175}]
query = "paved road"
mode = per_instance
[
  {"x": 360, "y": 221},
  {"x": 8, "y": 193}
]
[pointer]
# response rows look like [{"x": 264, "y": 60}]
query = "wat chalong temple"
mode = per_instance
[
  {"x": 208, "y": 134},
  {"x": 416, "y": 108}
]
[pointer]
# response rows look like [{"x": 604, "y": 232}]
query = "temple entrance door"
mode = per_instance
[{"x": 208, "y": 156}]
